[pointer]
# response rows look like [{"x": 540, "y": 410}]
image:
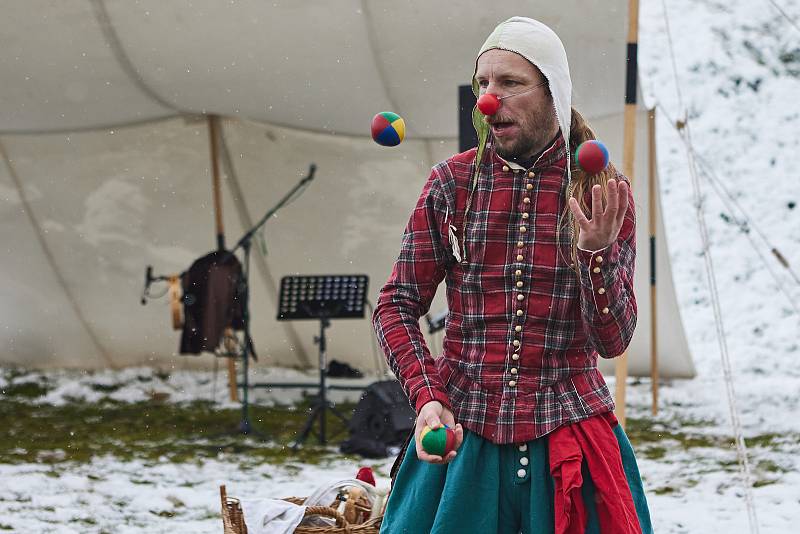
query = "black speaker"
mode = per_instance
[
  {"x": 467, "y": 136},
  {"x": 382, "y": 419}
]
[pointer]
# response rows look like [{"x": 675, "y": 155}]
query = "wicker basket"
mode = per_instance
[{"x": 233, "y": 519}]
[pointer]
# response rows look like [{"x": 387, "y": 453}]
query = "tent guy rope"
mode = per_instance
[{"x": 741, "y": 446}]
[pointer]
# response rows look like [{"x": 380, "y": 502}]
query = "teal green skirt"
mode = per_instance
[{"x": 492, "y": 488}]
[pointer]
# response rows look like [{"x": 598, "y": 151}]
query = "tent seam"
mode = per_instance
[
  {"x": 51, "y": 258},
  {"x": 112, "y": 38}
]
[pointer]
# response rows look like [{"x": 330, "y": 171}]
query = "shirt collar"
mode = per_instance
[{"x": 553, "y": 154}]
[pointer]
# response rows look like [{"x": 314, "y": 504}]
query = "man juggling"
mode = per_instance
[{"x": 537, "y": 254}]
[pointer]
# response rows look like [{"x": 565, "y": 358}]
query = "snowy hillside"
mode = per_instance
[{"x": 738, "y": 68}]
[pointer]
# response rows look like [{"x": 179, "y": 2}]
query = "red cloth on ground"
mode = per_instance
[{"x": 591, "y": 440}]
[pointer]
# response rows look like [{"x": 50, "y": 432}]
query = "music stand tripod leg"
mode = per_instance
[
  {"x": 321, "y": 403},
  {"x": 307, "y": 428}
]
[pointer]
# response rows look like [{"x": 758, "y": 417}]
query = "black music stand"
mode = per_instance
[{"x": 322, "y": 297}]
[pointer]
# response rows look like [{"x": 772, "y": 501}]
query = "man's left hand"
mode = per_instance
[{"x": 604, "y": 226}]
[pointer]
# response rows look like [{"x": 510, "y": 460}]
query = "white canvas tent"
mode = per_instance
[{"x": 106, "y": 158}]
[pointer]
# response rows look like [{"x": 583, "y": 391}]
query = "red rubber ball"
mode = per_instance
[
  {"x": 488, "y": 104},
  {"x": 592, "y": 156}
]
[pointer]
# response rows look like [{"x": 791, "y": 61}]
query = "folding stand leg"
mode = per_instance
[{"x": 321, "y": 404}]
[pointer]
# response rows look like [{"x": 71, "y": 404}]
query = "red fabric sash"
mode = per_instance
[{"x": 592, "y": 440}]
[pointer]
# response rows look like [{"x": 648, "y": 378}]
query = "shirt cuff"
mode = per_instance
[
  {"x": 428, "y": 395},
  {"x": 597, "y": 274}
]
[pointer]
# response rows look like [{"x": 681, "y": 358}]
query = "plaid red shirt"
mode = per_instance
[{"x": 523, "y": 331}]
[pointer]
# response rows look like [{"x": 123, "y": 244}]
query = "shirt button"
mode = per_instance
[
  {"x": 516, "y": 342},
  {"x": 525, "y": 215},
  {"x": 521, "y": 473},
  {"x": 520, "y": 257},
  {"x": 518, "y": 272},
  {"x": 599, "y": 259},
  {"x": 529, "y": 187},
  {"x": 523, "y": 229},
  {"x": 526, "y": 200},
  {"x": 519, "y": 313},
  {"x": 596, "y": 270},
  {"x": 505, "y": 168},
  {"x": 523, "y": 460},
  {"x": 605, "y": 311},
  {"x": 531, "y": 175},
  {"x": 520, "y": 244},
  {"x": 514, "y": 370},
  {"x": 519, "y": 283},
  {"x": 515, "y": 357},
  {"x": 602, "y": 290},
  {"x": 518, "y": 328},
  {"x": 523, "y": 447},
  {"x": 520, "y": 296},
  {"x": 512, "y": 383}
]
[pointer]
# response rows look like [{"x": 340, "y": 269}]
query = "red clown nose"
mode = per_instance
[{"x": 488, "y": 104}]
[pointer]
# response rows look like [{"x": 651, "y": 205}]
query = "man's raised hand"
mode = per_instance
[{"x": 604, "y": 226}]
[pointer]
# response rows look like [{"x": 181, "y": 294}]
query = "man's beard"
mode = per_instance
[
  {"x": 533, "y": 136},
  {"x": 517, "y": 148}
]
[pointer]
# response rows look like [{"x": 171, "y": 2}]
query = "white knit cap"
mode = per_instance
[{"x": 541, "y": 46}]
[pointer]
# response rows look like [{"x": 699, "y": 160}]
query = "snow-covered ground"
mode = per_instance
[
  {"x": 113, "y": 495},
  {"x": 685, "y": 455},
  {"x": 738, "y": 69},
  {"x": 738, "y": 65},
  {"x": 117, "y": 497}
]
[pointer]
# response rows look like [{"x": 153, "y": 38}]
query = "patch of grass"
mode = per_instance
[
  {"x": 164, "y": 513},
  {"x": 89, "y": 521},
  {"x": 157, "y": 432},
  {"x": 766, "y": 440},
  {"x": 763, "y": 482},
  {"x": 28, "y": 387},
  {"x": 771, "y": 467},
  {"x": 653, "y": 453},
  {"x": 27, "y": 390},
  {"x": 163, "y": 375},
  {"x": 105, "y": 388},
  {"x": 664, "y": 490},
  {"x": 644, "y": 432},
  {"x": 655, "y": 439}
]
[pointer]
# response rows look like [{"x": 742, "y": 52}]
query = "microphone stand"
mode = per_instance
[{"x": 245, "y": 243}]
